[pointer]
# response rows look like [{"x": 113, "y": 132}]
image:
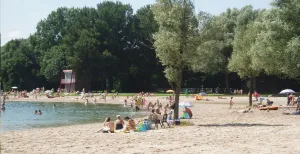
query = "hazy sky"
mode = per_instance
[{"x": 20, "y": 17}]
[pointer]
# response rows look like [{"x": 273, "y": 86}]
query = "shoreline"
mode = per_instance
[{"x": 216, "y": 129}]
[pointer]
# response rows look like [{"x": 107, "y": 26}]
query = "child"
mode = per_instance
[
  {"x": 230, "y": 103},
  {"x": 169, "y": 119}
]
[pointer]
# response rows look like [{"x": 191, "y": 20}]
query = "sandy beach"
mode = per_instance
[{"x": 216, "y": 129}]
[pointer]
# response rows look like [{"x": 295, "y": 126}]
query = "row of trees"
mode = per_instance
[
  {"x": 107, "y": 46},
  {"x": 110, "y": 47},
  {"x": 246, "y": 41}
]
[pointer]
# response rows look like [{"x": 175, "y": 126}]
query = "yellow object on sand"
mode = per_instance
[
  {"x": 197, "y": 98},
  {"x": 170, "y": 91}
]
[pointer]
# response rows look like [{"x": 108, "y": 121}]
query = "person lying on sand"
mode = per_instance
[{"x": 246, "y": 111}]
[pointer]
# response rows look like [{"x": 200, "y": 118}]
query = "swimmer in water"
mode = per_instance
[{"x": 54, "y": 106}]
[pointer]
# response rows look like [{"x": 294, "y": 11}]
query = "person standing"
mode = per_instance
[{"x": 230, "y": 103}]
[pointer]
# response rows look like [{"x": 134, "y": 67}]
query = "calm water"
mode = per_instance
[{"x": 20, "y": 115}]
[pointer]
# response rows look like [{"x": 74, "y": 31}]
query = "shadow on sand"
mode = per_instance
[{"x": 239, "y": 125}]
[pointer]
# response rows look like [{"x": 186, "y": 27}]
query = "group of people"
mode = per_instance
[
  {"x": 238, "y": 92},
  {"x": 38, "y": 112},
  {"x": 119, "y": 125}
]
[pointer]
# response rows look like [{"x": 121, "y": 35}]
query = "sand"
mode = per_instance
[{"x": 216, "y": 129}]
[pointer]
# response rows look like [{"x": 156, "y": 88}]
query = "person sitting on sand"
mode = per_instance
[
  {"x": 153, "y": 116},
  {"x": 119, "y": 123},
  {"x": 298, "y": 102},
  {"x": 189, "y": 111},
  {"x": 157, "y": 111},
  {"x": 297, "y": 109},
  {"x": 130, "y": 124},
  {"x": 108, "y": 126},
  {"x": 170, "y": 121},
  {"x": 291, "y": 99},
  {"x": 298, "y": 106}
]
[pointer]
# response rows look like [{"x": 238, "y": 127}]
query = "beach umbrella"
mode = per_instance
[
  {"x": 287, "y": 91},
  {"x": 170, "y": 91},
  {"x": 202, "y": 94},
  {"x": 185, "y": 104},
  {"x": 14, "y": 87}
]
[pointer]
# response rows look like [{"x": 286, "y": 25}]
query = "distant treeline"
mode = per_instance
[{"x": 110, "y": 47}]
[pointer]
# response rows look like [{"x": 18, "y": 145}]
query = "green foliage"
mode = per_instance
[
  {"x": 18, "y": 64},
  {"x": 245, "y": 36},
  {"x": 175, "y": 40},
  {"x": 277, "y": 48},
  {"x": 110, "y": 47}
]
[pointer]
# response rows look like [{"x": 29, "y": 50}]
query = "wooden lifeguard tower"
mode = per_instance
[{"x": 69, "y": 81}]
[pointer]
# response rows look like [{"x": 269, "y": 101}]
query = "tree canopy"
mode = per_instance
[{"x": 166, "y": 44}]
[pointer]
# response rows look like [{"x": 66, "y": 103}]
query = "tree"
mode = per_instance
[
  {"x": 277, "y": 48},
  {"x": 175, "y": 39},
  {"x": 242, "y": 61},
  {"x": 146, "y": 69},
  {"x": 115, "y": 26},
  {"x": 216, "y": 39},
  {"x": 19, "y": 66}
]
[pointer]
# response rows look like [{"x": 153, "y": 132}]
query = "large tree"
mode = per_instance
[
  {"x": 175, "y": 40},
  {"x": 19, "y": 66},
  {"x": 277, "y": 48},
  {"x": 242, "y": 60},
  {"x": 216, "y": 43}
]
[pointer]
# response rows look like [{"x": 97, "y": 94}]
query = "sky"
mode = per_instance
[{"x": 20, "y": 17}]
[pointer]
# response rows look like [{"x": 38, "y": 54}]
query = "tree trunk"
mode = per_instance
[
  {"x": 177, "y": 94},
  {"x": 254, "y": 84},
  {"x": 250, "y": 91},
  {"x": 227, "y": 82},
  {"x": 109, "y": 84}
]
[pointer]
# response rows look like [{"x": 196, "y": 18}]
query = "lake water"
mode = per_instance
[{"x": 20, "y": 115}]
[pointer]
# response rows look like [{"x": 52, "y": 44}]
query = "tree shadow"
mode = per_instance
[{"x": 239, "y": 125}]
